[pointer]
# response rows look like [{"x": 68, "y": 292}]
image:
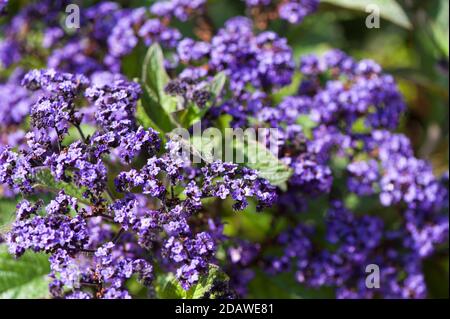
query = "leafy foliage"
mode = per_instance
[
  {"x": 23, "y": 278},
  {"x": 47, "y": 182},
  {"x": 157, "y": 104},
  {"x": 168, "y": 287},
  {"x": 258, "y": 157},
  {"x": 193, "y": 113},
  {"x": 413, "y": 47},
  {"x": 389, "y": 9}
]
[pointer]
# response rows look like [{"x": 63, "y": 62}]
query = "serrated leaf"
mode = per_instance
[
  {"x": 389, "y": 9},
  {"x": 23, "y": 278},
  {"x": 46, "y": 181}
]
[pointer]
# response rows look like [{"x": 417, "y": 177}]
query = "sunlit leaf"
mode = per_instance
[
  {"x": 25, "y": 277},
  {"x": 168, "y": 287},
  {"x": 46, "y": 181},
  {"x": 389, "y": 9},
  {"x": 258, "y": 157}
]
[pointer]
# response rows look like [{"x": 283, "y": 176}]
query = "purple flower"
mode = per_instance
[
  {"x": 181, "y": 9},
  {"x": 190, "y": 50},
  {"x": 3, "y": 4},
  {"x": 154, "y": 30},
  {"x": 363, "y": 177},
  {"x": 54, "y": 231},
  {"x": 294, "y": 11}
]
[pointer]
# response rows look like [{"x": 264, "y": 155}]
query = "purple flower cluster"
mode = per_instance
[
  {"x": 263, "y": 60},
  {"x": 64, "y": 229},
  {"x": 56, "y": 230},
  {"x": 3, "y": 4},
  {"x": 115, "y": 105},
  {"x": 293, "y": 11},
  {"x": 359, "y": 242},
  {"x": 180, "y": 9},
  {"x": 107, "y": 271},
  {"x": 241, "y": 257},
  {"x": 12, "y": 44},
  {"x": 15, "y": 170},
  {"x": 363, "y": 177},
  {"x": 190, "y": 90},
  {"x": 125, "y": 207},
  {"x": 191, "y": 252},
  {"x": 378, "y": 165},
  {"x": 14, "y": 107},
  {"x": 355, "y": 90}
]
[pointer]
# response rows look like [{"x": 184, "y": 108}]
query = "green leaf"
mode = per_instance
[
  {"x": 7, "y": 214},
  {"x": 142, "y": 117},
  {"x": 206, "y": 283},
  {"x": 194, "y": 113},
  {"x": 74, "y": 135},
  {"x": 156, "y": 104},
  {"x": 265, "y": 286},
  {"x": 389, "y": 9},
  {"x": 151, "y": 113},
  {"x": 206, "y": 146},
  {"x": 440, "y": 26},
  {"x": 360, "y": 127},
  {"x": 168, "y": 287},
  {"x": 24, "y": 278},
  {"x": 217, "y": 84},
  {"x": 155, "y": 79},
  {"x": 250, "y": 225},
  {"x": 154, "y": 74},
  {"x": 46, "y": 181},
  {"x": 7, "y": 209},
  {"x": 307, "y": 125},
  {"x": 258, "y": 157}
]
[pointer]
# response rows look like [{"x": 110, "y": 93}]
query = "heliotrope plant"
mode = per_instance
[{"x": 105, "y": 191}]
